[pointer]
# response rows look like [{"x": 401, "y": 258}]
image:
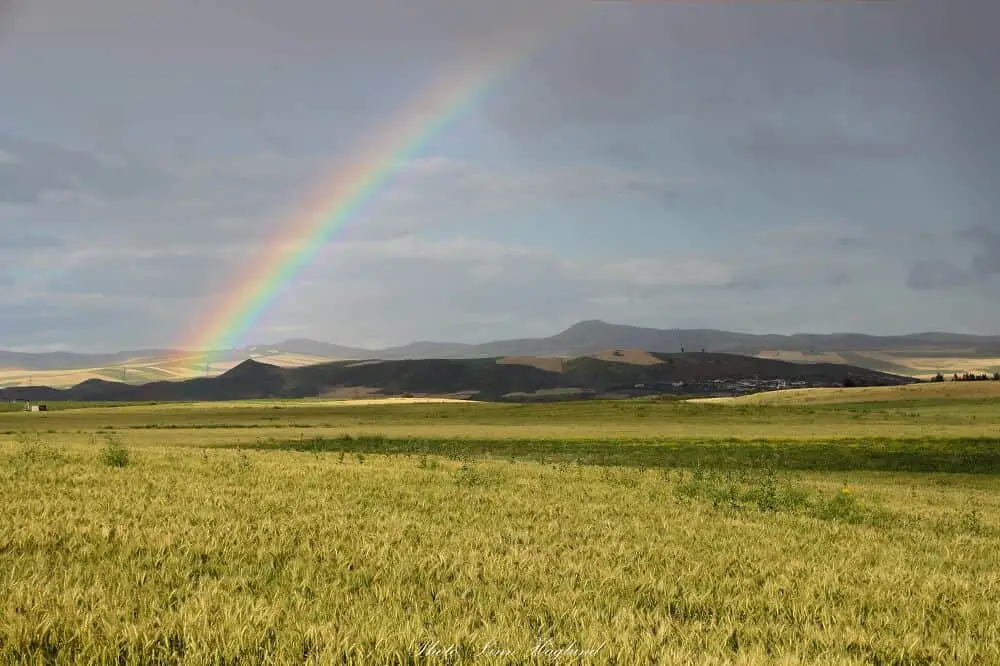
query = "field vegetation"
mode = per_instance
[
  {"x": 590, "y": 532},
  {"x": 919, "y": 363},
  {"x": 142, "y": 370}
]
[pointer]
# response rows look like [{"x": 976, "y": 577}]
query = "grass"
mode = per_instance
[
  {"x": 272, "y": 544},
  {"x": 923, "y": 415},
  {"x": 944, "y": 392},
  {"x": 952, "y": 456}
]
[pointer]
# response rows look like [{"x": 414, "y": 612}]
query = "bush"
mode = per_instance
[
  {"x": 33, "y": 449},
  {"x": 115, "y": 453}
]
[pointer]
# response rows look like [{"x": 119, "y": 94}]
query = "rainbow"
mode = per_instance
[{"x": 345, "y": 192}]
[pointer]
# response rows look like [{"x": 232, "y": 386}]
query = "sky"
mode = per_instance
[{"x": 768, "y": 167}]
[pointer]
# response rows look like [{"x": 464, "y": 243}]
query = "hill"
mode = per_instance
[
  {"x": 482, "y": 379},
  {"x": 919, "y": 355},
  {"x": 879, "y": 394}
]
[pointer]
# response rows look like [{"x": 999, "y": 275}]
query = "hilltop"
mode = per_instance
[
  {"x": 918, "y": 355},
  {"x": 620, "y": 373}
]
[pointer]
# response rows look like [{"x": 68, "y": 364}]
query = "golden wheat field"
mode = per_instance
[{"x": 128, "y": 538}]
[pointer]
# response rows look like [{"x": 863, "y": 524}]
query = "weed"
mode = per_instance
[
  {"x": 243, "y": 462},
  {"x": 115, "y": 453},
  {"x": 33, "y": 449}
]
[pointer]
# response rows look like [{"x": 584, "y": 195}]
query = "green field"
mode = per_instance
[{"x": 615, "y": 532}]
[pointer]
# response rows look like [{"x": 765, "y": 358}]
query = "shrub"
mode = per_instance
[{"x": 115, "y": 453}]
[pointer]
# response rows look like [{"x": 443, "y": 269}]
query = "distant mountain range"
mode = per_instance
[
  {"x": 593, "y": 336},
  {"x": 585, "y": 337}
]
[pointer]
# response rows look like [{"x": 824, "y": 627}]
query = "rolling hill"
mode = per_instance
[
  {"x": 481, "y": 379},
  {"x": 919, "y": 355}
]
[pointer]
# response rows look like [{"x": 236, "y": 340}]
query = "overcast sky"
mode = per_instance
[{"x": 761, "y": 167}]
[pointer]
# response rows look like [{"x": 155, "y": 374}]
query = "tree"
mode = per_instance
[
  {"x": 996, "y": 376},
  {"x": 938, "y": 378}
]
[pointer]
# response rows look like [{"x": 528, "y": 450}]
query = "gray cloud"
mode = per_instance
[
  {"x": 976, "y": 260},
  {"x": 393, "y": 291},
  {"x": 986, "y": 257},
  {"x": 15, "y": 240},
  {"x": 800, "y": 150},
  {"x": 78, "y": 323},
  {"x": 233, "y": 205},
  {"x": 32, "y": 169},
  {"x": 154, "y": 275},
  {"x": 757, "y": 166},
  {"x": 928, "y": 274}
]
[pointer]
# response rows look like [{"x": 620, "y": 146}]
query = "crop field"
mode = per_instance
[
  {"x": 912, "y": 363},
  {"x": 942, "y": 395},
  {"x": 142, "y": 370},
  {"x": 848, "y": 530}
]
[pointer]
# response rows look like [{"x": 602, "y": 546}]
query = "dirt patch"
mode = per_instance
[{"x": 803, "y": 357}]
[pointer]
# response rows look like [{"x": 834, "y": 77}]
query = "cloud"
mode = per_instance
[
  {"x": 812, "y": 150},
  {"x": 180, "y": 247},
  {"x": 150, "y": 275},
  {"x": 235, "y": 204},
  {"x": 452, "y": 190},
  {"x": 981, "y": 266},
  {"x": 928, "y": 274},
  {"x": 457, "y": 287},
  {"x": 17, "y": 240},
  {"x": 40, "y": 169},
  {"x": 986, "y": 259},
  {"x": 745, "y": 165},
  {"x": 78, "y": 322}
]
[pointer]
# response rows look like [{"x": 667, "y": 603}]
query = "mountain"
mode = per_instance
[
  {"x": 314, "y": 348},
  {"x": 484, "y": 379},
  {"x": 70, "y": 360},
  {"x": 585, "y": 337},
  {"x": 593, "y": 336}
]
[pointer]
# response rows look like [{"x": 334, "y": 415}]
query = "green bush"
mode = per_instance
[{"x": 115, "y": 453}]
